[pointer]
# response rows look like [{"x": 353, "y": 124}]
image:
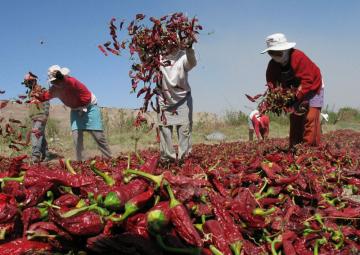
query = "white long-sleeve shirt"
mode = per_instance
[{"x": 174, "y": 84}]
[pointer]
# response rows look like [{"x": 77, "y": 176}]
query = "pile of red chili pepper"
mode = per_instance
[
  {"x": 230, "y": 198},
  {"x": 276, "y": 99},
  {"x": 147, "y": 41}
]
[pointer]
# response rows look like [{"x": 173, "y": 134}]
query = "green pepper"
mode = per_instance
[{"x": 107, "y": 178}]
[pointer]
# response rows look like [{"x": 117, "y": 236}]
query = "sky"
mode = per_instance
[{"x": 228, "y": 49}]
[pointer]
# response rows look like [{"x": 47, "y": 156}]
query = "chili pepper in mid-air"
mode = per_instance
[
  {"x": 3, "y": 103},
  {"x": 181, "y": 220},
  {"x": 101, "y": 48}
]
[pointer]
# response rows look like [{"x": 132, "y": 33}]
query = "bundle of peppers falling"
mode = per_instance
[
  {"x": 276, "y": 99},
  {"x": 226, "y": 199},
  {"x": 146, "y": 43},
  {"x": 13, "y": 132}
]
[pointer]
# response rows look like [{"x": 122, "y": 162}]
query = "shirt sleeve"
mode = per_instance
[
  {"x": 308, "y": 73},
  {"x": 190, "y": 60},
  {"x": 256, "y": 125}
]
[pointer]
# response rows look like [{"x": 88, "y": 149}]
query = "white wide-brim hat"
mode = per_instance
[
  {"x": 277, "y": 42},
  {"x": 325, "y": 116},
  {"x": 54, "y": 68}
]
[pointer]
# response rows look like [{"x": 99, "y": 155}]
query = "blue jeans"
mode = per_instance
[{"x": 38, "y": 140}]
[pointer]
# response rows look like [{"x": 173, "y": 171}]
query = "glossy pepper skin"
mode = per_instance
[
  {"x": 158, "y": 217},
  {"x": 22, "y": 246},
  {"x": 181, "y": 220},
  {"x": 134, "y": 204}
]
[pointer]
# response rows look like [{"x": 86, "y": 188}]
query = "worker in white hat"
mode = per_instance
[
  {"x": 290, "y": 67},
  {"x": 258, "y": 124},
  {"x": 85, "y": 114},
  {"x": 176, "y": 104}
]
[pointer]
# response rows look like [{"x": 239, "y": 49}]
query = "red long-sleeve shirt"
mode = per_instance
[
  {"x": 261, "y": 125},
  {"x": 304, "y": 69},
  {"x": 70, "y": 91}
]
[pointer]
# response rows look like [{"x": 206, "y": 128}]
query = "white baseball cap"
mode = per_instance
[
  {"x": 277, "y": 42},
  {"x": 54, "y": 68}
]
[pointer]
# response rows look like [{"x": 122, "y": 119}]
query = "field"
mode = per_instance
[{"x": 121, "y": 135}]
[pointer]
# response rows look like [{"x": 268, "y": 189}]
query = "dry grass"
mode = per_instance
[{"x": 121, "y": 133}]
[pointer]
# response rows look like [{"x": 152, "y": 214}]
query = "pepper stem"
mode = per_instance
[
  {"x": 273, "y": 249},
  {"x": 214, "y": 250},
  {"x": 262, "y": 212},
  {"x": 93, "y": 207},
  {"x": 107, "y": 178},
  {"x": 16, "y": 179},
  {"x": 318, "y": 242},
  {"x": 157, "y": 179},
  {"x": 173, "y": 201},
  {"x": 236, "y": 247},
  {"x": 69, "y": 167}
]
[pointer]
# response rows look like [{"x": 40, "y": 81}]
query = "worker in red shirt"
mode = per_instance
[
  {"x": 290, "y": 67},
  {"x": 85, "y": 114},
  {"x": 259, "y": 124}
]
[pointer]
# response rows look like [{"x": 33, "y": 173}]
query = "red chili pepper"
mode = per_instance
[
  {"x": 271, "y": 169},
  {"x": 232, "y": 233},
  {"x": 3, "y": 103},
  {"x": 181, "y": 220},
  {"x": 217, "y": 234},
  {"x": 140, "y": 16},
  {"x": 102, "y": 50},
  {"x": 135, "y": 204},
  {"x": 287, "y": 180},
  {"x": 23, "y": 246},
  {"x": 288, "y": 238}
]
